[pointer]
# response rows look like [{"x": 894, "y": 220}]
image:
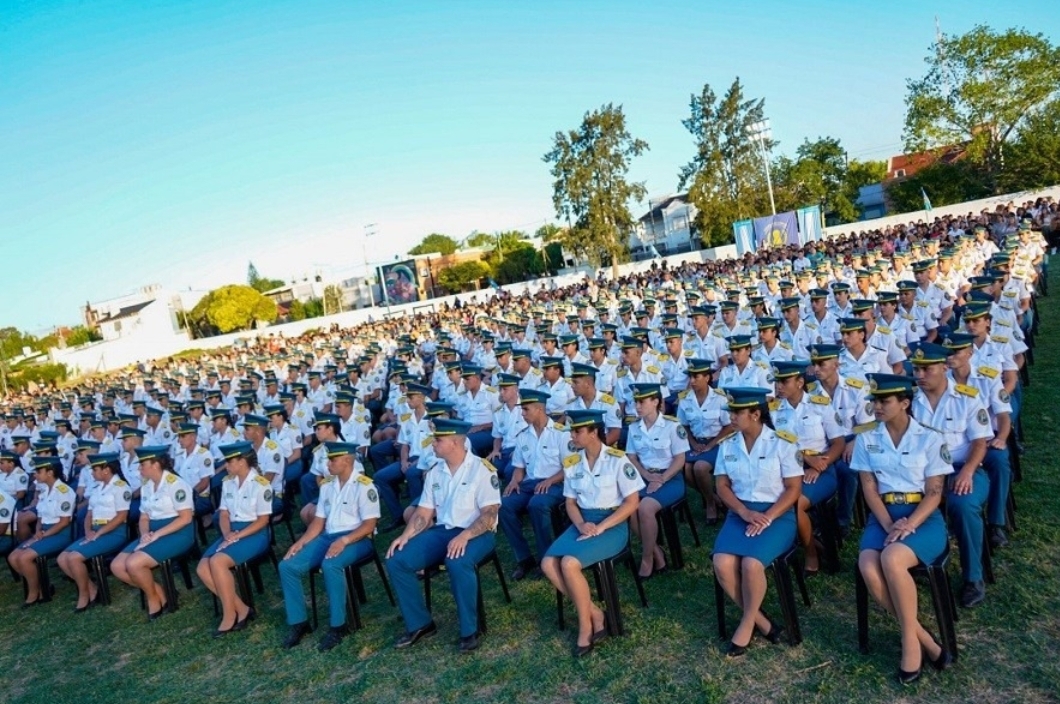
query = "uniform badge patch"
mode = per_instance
[
  {"x": 495, "y": 482},
  {"x": 571, "y": 447},
  {"x": 3, "y": 513},
  {"x": 207, "y": 462},
  {"x": 944, "y": 453},
  {"x": 127, "y": 496},
  {"x": 629, "y": 470},
  {"x": 982, "y": 416},
  {"x": 681, "y": 432},
  {"x": 268, "y": 494},
  {"x": 181, "y": 495},
  {"x": 276, "y": 457},
  {"x": 1003, "y": 396},
  {"x": 65, "y": 506},
  {"x": 372, "y": 496}
]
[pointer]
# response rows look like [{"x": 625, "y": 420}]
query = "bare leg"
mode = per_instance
[
  {"x": 224, "y": 582},
  {"x": 753, "y": 589},
  {"x": 24, "y": 562},
  {"x": 139, "y": 566},
  {"x": 649, "y": 534},
  {"x": 896, "y": 560},
  {"x": 73, "y": 565},
  {"x": 589, "y": 615},
  {"x": 805, "y": 531}
]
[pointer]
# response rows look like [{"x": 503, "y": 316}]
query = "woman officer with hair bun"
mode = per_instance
[
  {"x": 108, "y": 507},
  {"x": 903, "y": 466},
  {"x": 166, "y": 530},
  {"x": 759, "y": 480},
  {"x": 601, "y": 487},
  {"x": 246, "y": 505}
]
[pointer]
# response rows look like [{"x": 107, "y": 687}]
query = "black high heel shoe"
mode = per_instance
[
  {"x": 908, "y": 678},
  {"x": 736, "y": 651}
]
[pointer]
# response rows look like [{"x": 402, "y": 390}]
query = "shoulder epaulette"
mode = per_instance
[
  {"x": 967, "y": 390},
  {"x": 489, "y": 466},
  {"x": 571, "y": 460},
  {"x": 262, "y": 480},
  {"x": 558, "y": 426},
  {"x": 405, "y": 417},
  {"x": 621, "y": 373},
  {"x": 119, "y": 482},
  {"x": 607, "y": 398},
  {"x": 364, "y": 479},
  {"x": 682, "y": 394},
  {"x": 855, "y": 383},
  {"x": 785, "y": 435},
  {"x": 328, "y": 479},
  {"x": 720, "y": 392},
  {"x": 615, "y": 452},
  {"x": 988, "y": 372},
  {"x": 784, "y": 345},
  {"x": 728, "y": 437},
  {"x": 820, "y": 400},
  {"x": 774, "y": 405},
  {"x": 871, "y": 425},
  {"x": 63, "y": 488},
  {"x": 998, "y": 338},
  {"x": 271, "y": 444},
  {"x": 884, "y": 329},
  {"x": 652, "y": 369}
]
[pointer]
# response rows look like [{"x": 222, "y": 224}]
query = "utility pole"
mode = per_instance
[{"x": 369, "y": 231}]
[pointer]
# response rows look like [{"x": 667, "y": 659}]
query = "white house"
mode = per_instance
[{"x": 665, "y": 229}]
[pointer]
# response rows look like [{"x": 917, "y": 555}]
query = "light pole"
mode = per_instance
[
  {"x": 760, "y": 133},
  {"x": 369, "y": 231}
]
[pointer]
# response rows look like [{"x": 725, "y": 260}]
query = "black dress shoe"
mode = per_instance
[
  {"x": 944, "y": 660},
  {"x": 295, "y": 634},
  {"x": 332, "y": 638},
  {"x": 158, "y": 614},
  {"x": 973, "y": 594},
  {"x": 735, "y": 651},
  {"x": 998, "y": 537},
  {"x": 30, "y": 604},
  {"x": 598, "y": 635},
  {"x": 580, "y": 651},
  {"x": 413, "y": 637},
  {"x": 242, "y": 623},
  {"x": 468, "y": 643},
  {"x": 775, "y": 632},
  {"x": 524, "y": 569},
  {"x": 907, "y": 678}
]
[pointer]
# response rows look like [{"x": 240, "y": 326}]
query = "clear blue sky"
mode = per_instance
[{"x": 172, "y": 142}]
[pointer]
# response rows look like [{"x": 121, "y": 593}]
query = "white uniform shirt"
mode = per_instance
[
  {"x": 195, "y": 466},
  {"x": 13, "y": 483},
  {"x": 245, "y": 502},
  {"x": 271, "y": 461},
  {"x": 541, "y": 455},
  {"x": 170, "y": 496},
  {"x": 106, "y": 500},
  {"x": 560, "y": 395},
  {"x": 507, "y": 424},
  {"x": 705, "y": 420},
  {"x": 758, "y": 475},
  {"x": 921, "y": 453},
  {"x": 344, "y": 508},
  {"x": 754, "y": 375},
  {"x": 416, "y": 434},
  {"x": 459, "y": 496},
  {"x": 603, "y": 402},
  {"x": 872, "y": 361},
  {"x": 813, "y": 422},
  {"x": 604, "y": 485},
  {"x": 960, "y": 415},
  {"x": 477, "y": 408},
  {"x": 54, "y": 503},
  {"x": 657, "y": 446},
  {"x": 849, "y": 402}
]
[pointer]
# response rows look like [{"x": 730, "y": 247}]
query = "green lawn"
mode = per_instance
[{"x": 1010, "y": 646}]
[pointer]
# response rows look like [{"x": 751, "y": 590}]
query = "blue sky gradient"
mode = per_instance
[{"x": 173, "y": 142}]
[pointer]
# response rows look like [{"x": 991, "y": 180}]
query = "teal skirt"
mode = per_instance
[
  {"x": 765, "y": 547},
  {"x": 591, "y": 550}
]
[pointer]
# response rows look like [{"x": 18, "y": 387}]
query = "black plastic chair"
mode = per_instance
[
  {"x": 671, "y": 537},
  {"x": 490, "y": 557},
  {"x": 607, "y": 590},
  {"x": 355, "y": 593},
  {"x": 781, "y": 569},
  {"x": 941, "y": 599}
]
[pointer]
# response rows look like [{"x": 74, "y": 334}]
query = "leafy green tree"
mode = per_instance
[
  {"x": 726, "y": 178},
  {"x": 230, "y": 308},
  {"x": 553, "y": 256},
  {"x": 435, "y": 243},
  {"x": 296, "y": 311},
  {"x": 80, "y": 335},
  {"x": 980, "y": 88},
  {"x": 12, "y": 340},
  {"x": 480, "y": 240},
  {"x": 258, "y": 283},
  {"x": 26, "y": 375},
  {"x": 862, "y": 173},
  {"x": 590, "y": 190},
  {"x": 549, "y": 232},
  {"x": 519, "y": 264},
  {"x": 463, "y": 276},
  {"x": 314, "y": 308},
  {"x": 945, "y": 184},
  {"x": 1033, "y": 161}
]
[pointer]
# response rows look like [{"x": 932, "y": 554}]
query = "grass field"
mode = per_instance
[{"x": 1010, "y": 646}]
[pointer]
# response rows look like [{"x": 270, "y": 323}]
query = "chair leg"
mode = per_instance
[
  {"x": 481, "y": 606},
  {"x": 637, "y": 579},
  {"x": 800, "y": 579},
  {"x": 383, "y": 577},
  {"x": 243, "y": 584},
  {"x": 862, "y": 597},
  {"x": 786, "y": 596},
  {"x": 353, "y": 578},
  {"x": 357, "y": 582},
  {"x": 828, "y": 516},
  {"x": 987, "y": 553},
  {"x": 687, "y": 513},
  {"x": 500, "y": 576},
  {"x": 427, "y": 589},
  {"x": 605, "y": 573},
  {"x": 941, "y": 599},
  {"x": 561, "y": 620},
  {"x": 719, "y": 608},
  {"x": 185, "y": 572},
  {"x": 673, "y": 538}
]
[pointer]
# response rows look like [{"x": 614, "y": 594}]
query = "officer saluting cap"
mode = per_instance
[
  {"x": 411, "y": 388},
  {"x": 642, "y": 391},
  {"x": 104, "y": 458},
  {"x": 153, "y": 452},
  {"x": 923, "y": 354},
  {"x": 580, "y": 369},
  {"x": 890, "y": 384},
  {"x": 449, "y": 426},
  {"x": 744, "y": 397},
  {"x": 506, "y": 380},
  {"x": 253, "y": 421},
  {"x": 958, "y": 341},
  {"x": 584, "y": 418},
  {"x": 340, "y": 449},
  {"x": 131, "y": 433},
  {"x": 236, "y": 449},
  {"x": 788, "y": 369},
  {"x": 819, "y": 353},
  {"x": 528, "y": 396}
]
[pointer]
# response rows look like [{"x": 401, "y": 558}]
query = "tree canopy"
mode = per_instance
[
  {"x": 230, "y": 308},
  {"x": 259, "y": 283},
  {"x": 460, "y": 277},
  {"x": 435, "y": 243},
  {"x": 590, "y": 191},
  {"x": 980, "y": 88}
]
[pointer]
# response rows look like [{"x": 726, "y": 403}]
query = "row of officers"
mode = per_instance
[{"x": 927, "y": 440}]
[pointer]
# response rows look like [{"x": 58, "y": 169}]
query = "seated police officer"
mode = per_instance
[{"x": 461, "y": 493}]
